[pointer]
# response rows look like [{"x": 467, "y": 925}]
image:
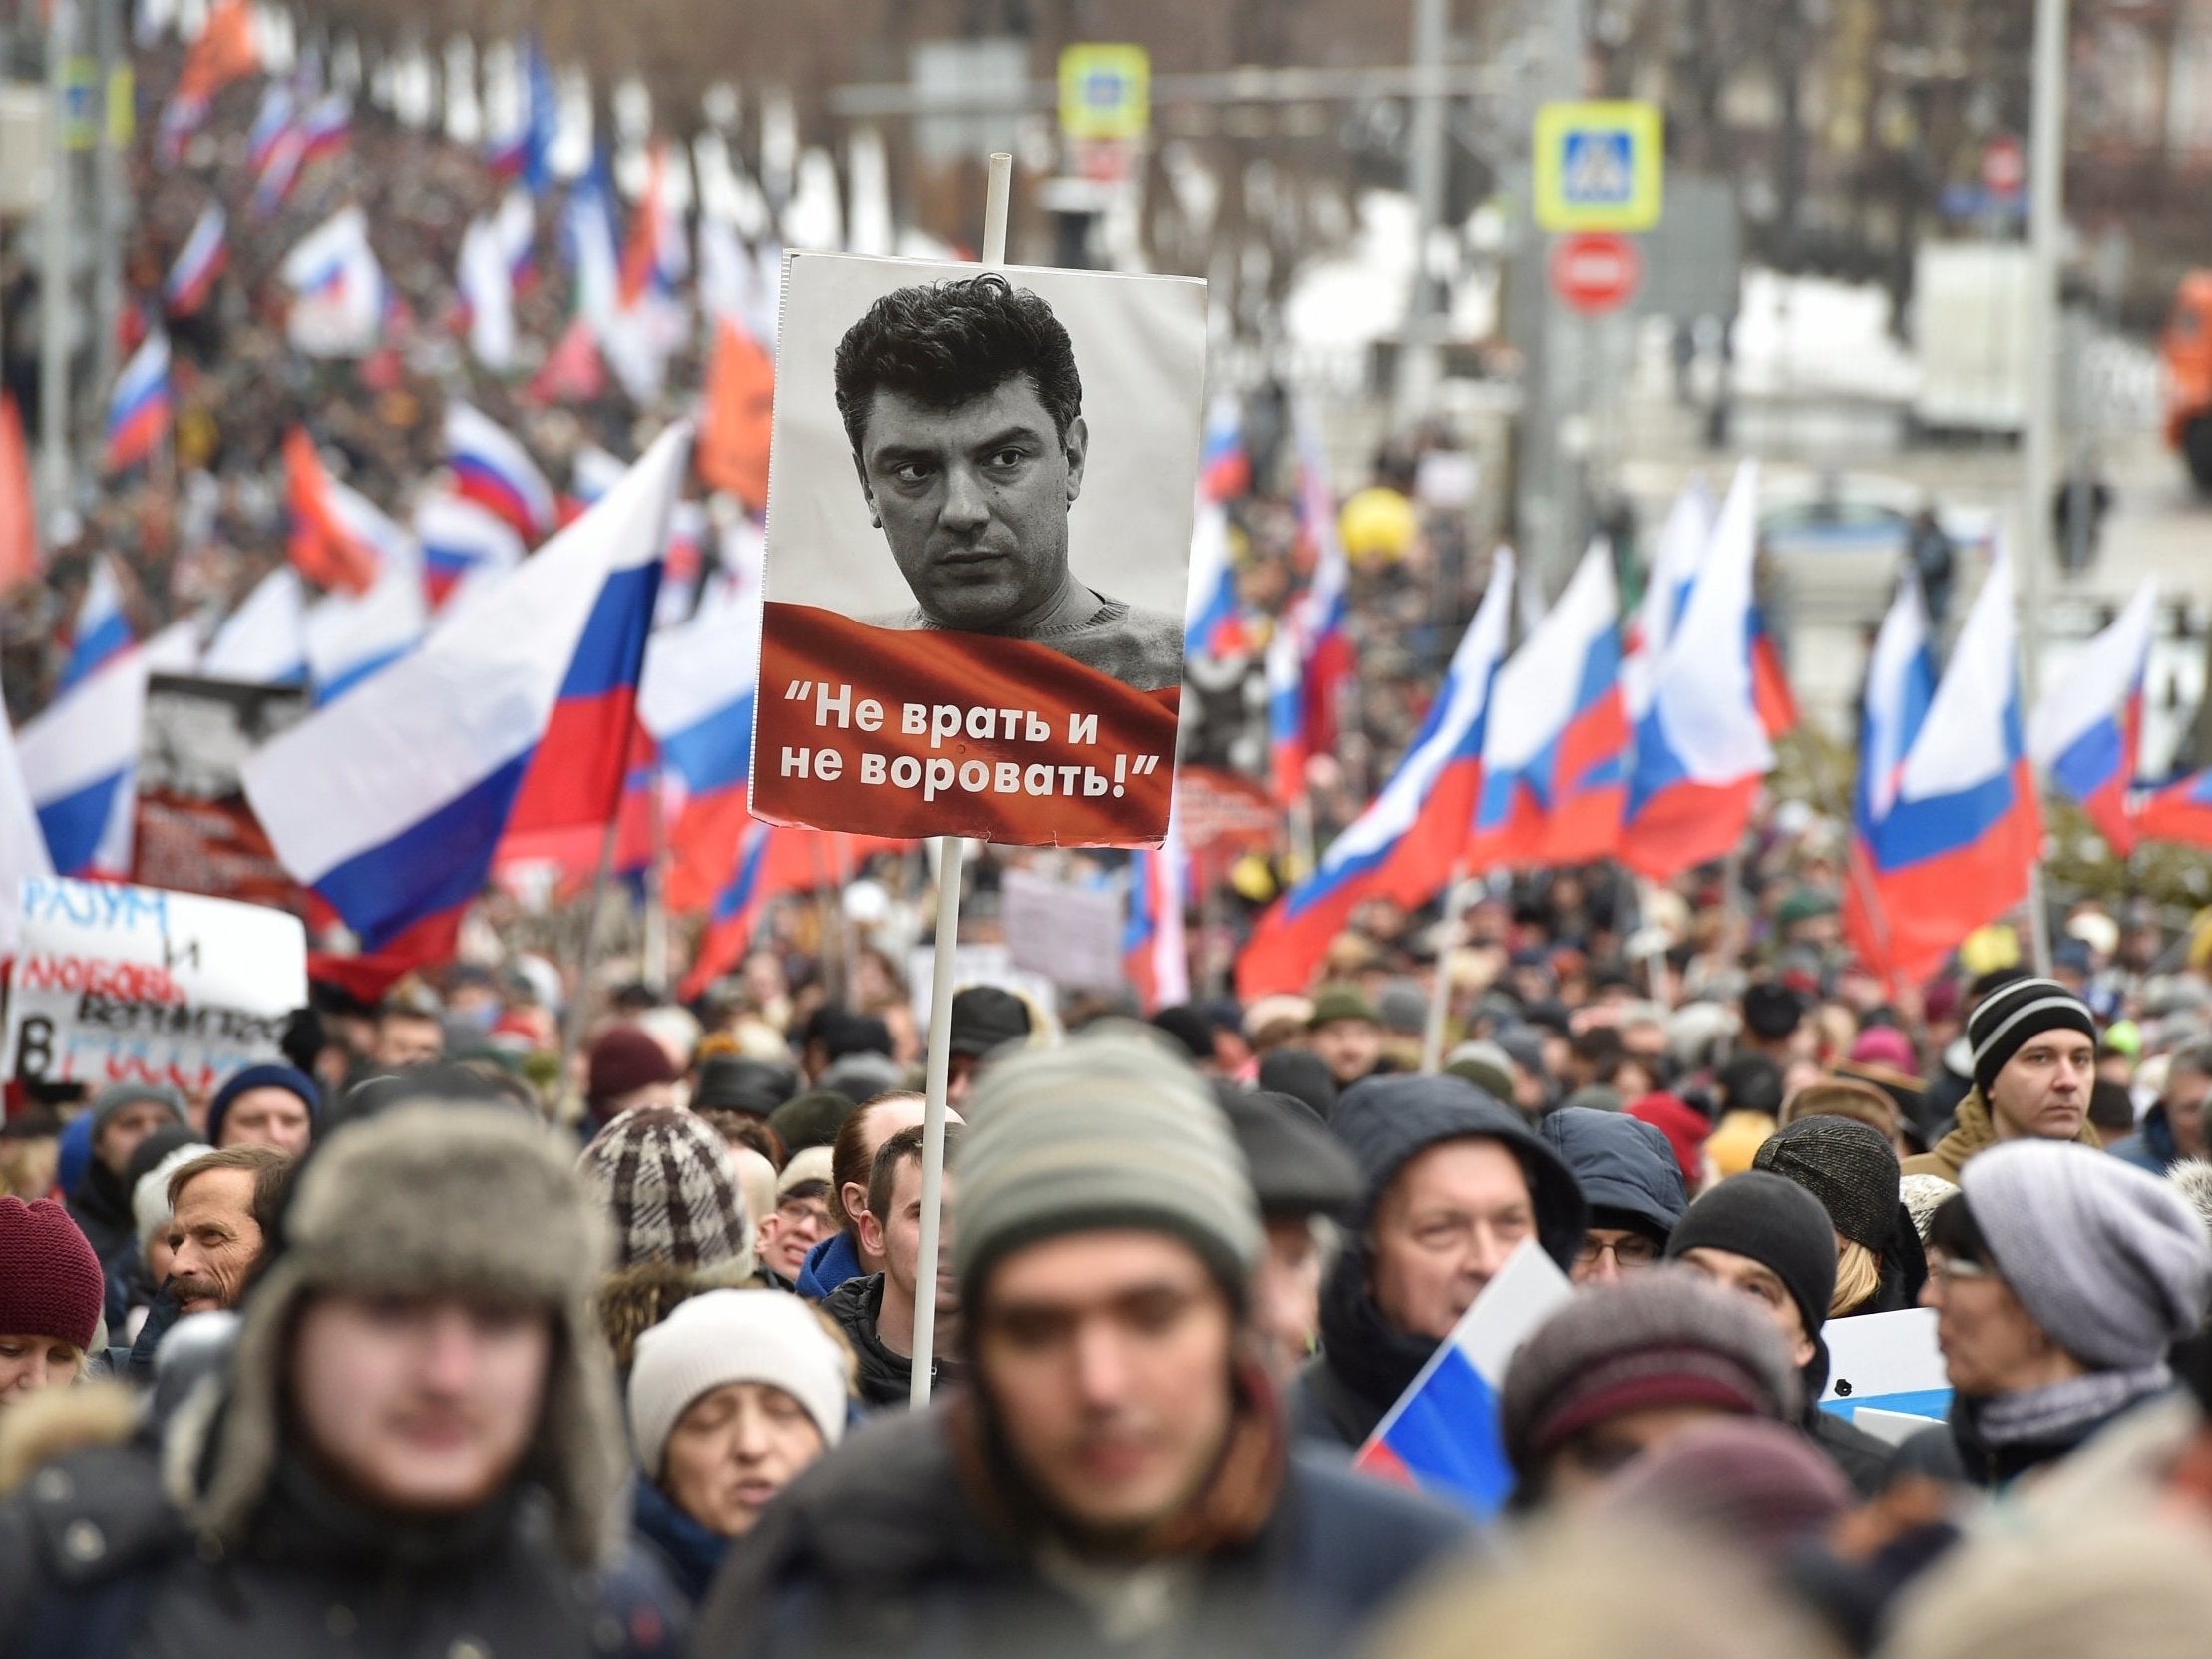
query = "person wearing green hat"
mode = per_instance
[
  {"x": 1346, "y": 1031},
  {"x": 1116, "y": 1476}
]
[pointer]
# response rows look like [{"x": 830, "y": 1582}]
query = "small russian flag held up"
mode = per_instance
[{"x": 1443, "y": 1436}]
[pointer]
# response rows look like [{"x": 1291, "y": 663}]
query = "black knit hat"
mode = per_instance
[
  {"x": 1298, "y": 1168},
  {"x": 2004, "y": 1020},
  {"x": 1845, "y": 1164},
  {"x": 1777, "y": 1224}
]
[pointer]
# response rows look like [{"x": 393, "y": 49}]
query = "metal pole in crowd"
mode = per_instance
[
  {"x": 111, "y": 200},
  {"x": 952, "y": 854},
  {"x": 54, "y": 287},
  {"x": 1440, "y": 994}
]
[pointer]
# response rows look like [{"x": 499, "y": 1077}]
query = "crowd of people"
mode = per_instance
[{"x": 381, "y": 1345}]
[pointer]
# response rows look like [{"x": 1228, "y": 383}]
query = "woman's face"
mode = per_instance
[
  {"x": 734, "y": 1449},
  {"x": 30, "y": 1362},
  {"x": 1989, "y": 1344}
]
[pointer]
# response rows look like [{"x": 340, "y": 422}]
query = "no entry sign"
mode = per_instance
[{"x": 1594, "y": 274}]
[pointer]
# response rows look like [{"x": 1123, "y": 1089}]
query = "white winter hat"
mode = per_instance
[
  {"x": 734, "y": 1336},
  {"x": 149, "y": 1198}
]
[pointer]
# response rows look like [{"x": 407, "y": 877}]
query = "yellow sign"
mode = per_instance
[
  {"x": 1105, "y": 92},
  {"x": 1598, "y": 166},
  {"x": 122, "y": 123}
]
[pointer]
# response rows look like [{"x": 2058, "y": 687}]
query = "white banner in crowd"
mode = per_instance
[
  {"x": 115, "y": 984},
  {"x": 1885, "y": 1372},
  {"x": 1069, "y": 932}
]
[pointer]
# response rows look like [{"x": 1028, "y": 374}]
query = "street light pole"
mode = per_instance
[
  {"x": 55, "y": 298},
  {"x": 1419, "y": 366}
]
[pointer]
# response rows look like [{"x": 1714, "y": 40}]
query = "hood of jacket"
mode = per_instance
[
  {"x": 1622, "y": 1165},
  {"x": 829, "y": 1264}
]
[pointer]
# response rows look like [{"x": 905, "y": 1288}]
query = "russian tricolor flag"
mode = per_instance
[
  {"x": 22, "y": 842},
  {"x": 1702, "y": 747},
  {"x": 198, "y": 263},
  {"x": 2087, "y": 731},
  {"x": 270, "y": 122},
  {"x": 1324, "y": 610},
  {"x": 1955, "y": 849},
  {"x": 1681, "y": 549},
  {"x": 1407, "y": 841},
  {"x": 493, "y": 469},
  {"x": 264, "y": 641},
  {"x": 352, "y": 637},
  {"x": 1212, "y": 619},
  {"x": 279, "y": 171},
  {"x": 1555, "y": 759},
  {"x": 461, "y": 540},
  {"x": 1283, "y": 671},
  {"x": 1154, "y": 954},
  {"x": 1444, "y": 1436},
  {"x": 729, "y": 929},
  {"x": 79, "y": 756},
  {"x": 138, "y": 407},
  {"x": 1224, "y": 468},
  {"x": 392, "y": 802},
  {"x": 325, "y": 129},
  {"x": 2182, "y": 812},
  {"x": 103, "y": 632}
]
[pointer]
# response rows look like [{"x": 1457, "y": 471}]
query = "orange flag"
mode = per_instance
[
  {"x": 321, "y": 548},
  {"x": 733, "y": 432},
  {"x": 19, "y": 538},
  {"x": 223, "y": 52}
]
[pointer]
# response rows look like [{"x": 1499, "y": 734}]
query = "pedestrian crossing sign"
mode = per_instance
[{"x": 1598, "y": 165}]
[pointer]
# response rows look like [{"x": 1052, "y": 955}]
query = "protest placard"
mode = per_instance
[
  {"x": 979, "y": 501},
  {"x": 115, "y": 984},
  {"x": 195, "y": 831},
  {"x": 1067, "y": 931},
  {"x": 1887, "y": 1362},
  {"x": 976, "y": 963}
]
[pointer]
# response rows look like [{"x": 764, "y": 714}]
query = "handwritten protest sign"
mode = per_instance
[
  {"x": 1069, "y": 932},
  {"x": 979, "y": 501},
  {"x": 118, "y": 983}
]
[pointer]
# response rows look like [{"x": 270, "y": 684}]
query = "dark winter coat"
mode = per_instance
[
  {"x": 883, "y": 1379},
  {"x": 2151, "y": 1147},
  {"x": 97, "y": 1563},
  {"x": 102, "y": 1210},
  {"x": 879, "y": 1550}
]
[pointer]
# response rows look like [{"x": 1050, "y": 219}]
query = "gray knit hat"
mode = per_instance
[
  {"x": 669, "y": 1185},
  {"x": 1106, "y": 1131},
  {"x": 476, "y": 1201},
  {"x": 2106, "y": 1258},
  {"x": 1845, "y": 1164},
  {"x": 1669, "y": 1337},
  {"x": 115, "y": 1096}
]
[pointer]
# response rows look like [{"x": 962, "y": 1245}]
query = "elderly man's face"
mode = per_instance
[{"x": 973, "y": 500}]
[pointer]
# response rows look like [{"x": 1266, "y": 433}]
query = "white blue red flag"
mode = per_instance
[
  {"x": 1213, "y": 615},
  {"x": 352, "y": 637},
  {"x": 1955, "y": 848},
  {"x": 101, "y": 631},
  {"x": 1444, "y": 1436},
  {"x": 1680, "y": 547},
  {"x": 2087, "y": 731},
  {"x": 1701, "y": 749},
  {"x": 392, "y": 802},
  {"x": 138, "y": 407},
  {"x": 264, "y": 641},
  {"x": 1406, "y": 844},
  {"x": 462, "y": 541},
  {"x": 200, "y": 264},
  {"x": 493, "y": 469},
  {"x": 1155, "y": 957},
  {"x": 1555, "y": 759}
]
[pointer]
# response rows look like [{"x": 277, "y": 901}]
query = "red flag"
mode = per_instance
[
  {"x": 571, "y": 372},
  {"x": 733, "y": 430},
  {"x": 19, "y": 540}
]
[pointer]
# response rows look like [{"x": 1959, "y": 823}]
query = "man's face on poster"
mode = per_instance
[{"x": 973, "y": 500}]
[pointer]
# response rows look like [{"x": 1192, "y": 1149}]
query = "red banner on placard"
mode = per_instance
[{"x": 998, "y": 740}]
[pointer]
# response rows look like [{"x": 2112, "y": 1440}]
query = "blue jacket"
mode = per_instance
[
  {"x": 2151, "y": 1147},
  {"x": 827, "y": 1265},
  {"x": 691, "y": 1554}
]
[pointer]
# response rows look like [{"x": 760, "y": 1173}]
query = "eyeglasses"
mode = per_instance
[
  {"x": 1955, "y": 1270},
  {"x": 1633, "y": 1251}
]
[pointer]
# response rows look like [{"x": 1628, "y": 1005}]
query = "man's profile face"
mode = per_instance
[{"x": 973, "y": 500}]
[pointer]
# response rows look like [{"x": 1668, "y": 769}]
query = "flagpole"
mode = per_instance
[
  {"x": 952, "y": 854},
  {"x": 1440, "y": 994},
  {"x": 655, "y": 964},
  {"x": 588, "y": 952}
]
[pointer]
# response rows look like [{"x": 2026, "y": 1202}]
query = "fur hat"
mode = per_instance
[{"x": 425, "y": 1199}]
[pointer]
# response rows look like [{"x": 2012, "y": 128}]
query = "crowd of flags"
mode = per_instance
[{"x": 617, "y": 686}]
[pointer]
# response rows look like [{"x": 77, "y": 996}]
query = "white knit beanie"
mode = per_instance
[
  {"x": 150, "y": 1208},
  {"x": 733, "y": 1335}
]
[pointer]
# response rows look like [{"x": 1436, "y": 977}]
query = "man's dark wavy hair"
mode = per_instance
[{"x": 945, "y": 343}]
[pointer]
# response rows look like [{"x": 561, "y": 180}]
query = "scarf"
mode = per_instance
[
  {"x": 1378, "y": 1362},
  {"x": 2066, "y": 1413},
  {"x": 1228, "y": 1510}
]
